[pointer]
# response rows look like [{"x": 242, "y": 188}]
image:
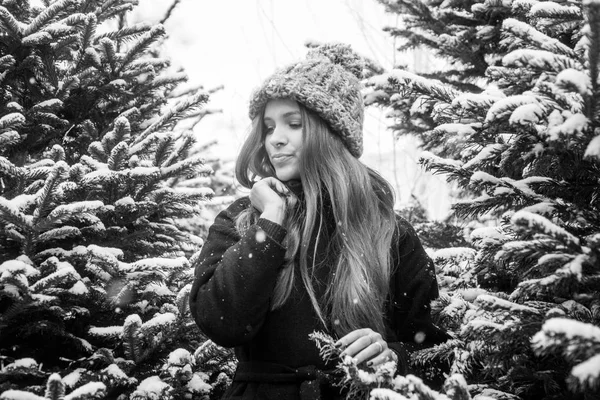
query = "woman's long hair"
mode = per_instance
[{"x": 362, "y": 205}]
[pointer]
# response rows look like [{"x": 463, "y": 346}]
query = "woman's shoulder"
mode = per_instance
[
  {"x": 403, "y": 227},
  {"x": 405, "y": 236},
  {"x": 235, "y": 208}
]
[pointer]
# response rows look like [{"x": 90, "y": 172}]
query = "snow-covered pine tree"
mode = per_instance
[
  {"x": 94, "y": 276},
  {"x": 523, "y": 136}
]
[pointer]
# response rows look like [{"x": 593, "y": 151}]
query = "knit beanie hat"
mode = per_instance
[{"x": 328, "y": 83}]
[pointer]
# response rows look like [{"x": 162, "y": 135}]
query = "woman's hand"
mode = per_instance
[
  {"x": 266, "y": 197},
  {"x": 366, "y": 345}
]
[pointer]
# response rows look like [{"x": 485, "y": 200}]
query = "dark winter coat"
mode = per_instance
[{"x": 231, "y": 299}]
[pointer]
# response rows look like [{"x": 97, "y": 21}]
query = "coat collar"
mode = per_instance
[{"x": 295, "y": 187}]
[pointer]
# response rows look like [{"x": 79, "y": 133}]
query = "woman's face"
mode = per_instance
[{"x": 283, "y": 137}]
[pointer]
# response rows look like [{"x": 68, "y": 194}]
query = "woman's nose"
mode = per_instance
[{"x": 277, "y": 137}]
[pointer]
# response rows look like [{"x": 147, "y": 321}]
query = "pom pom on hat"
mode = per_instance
[
  {"x": 340, "y": 54},
  {"x": 328, "y": 83}
]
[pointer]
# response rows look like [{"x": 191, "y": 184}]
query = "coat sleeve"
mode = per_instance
[
  {"x": 235, "y": 276},
  {"x": 412, "y": 288}
]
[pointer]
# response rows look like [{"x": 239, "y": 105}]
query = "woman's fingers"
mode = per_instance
[
  {"x": 276, "y": 185},
  {"x": 353, "y": 336},
  {"x": 268, "y": 192},
  {"x": 372, "y": 352},
  {"x": 386, "y": 356},
  {"x": 363, "y": 345}
]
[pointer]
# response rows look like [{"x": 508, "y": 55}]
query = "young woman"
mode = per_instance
[{"x": 316, "y": 246}]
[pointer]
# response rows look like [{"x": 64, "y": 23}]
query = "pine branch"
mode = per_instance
[
  {"x": 593, "y": 16},
  {"x": 118, "y": 156},
  {"x": 556, "y": 11},
  {"x": 57, "y": 234},
  {"x": 170, "y": 11},
  {"x": 192, "y": 101},
  {"x": 12, "y": 120},
  {"x": 540, "y": 60},
  {"x": 184, "y": 167},
  {"x": 131, "y": 339},
  {"x": 185, "y": 143},
  {"x": 110, "y": 52},
  {"x": 88, "y": 33},
  {"x": 47, "y": 15},
  {"x": 9, "y": 214},
  {"x": 139, "y": 47},
  {"x": 45, "y": 196},
  {"x": 15, "y": 28},
  {"x": 115, "y": 11},
  {"x": 55, "y": 388},
  {"x": 8, "y": 169},
  {"x": 515, "y": 29},
  {"x": 130, "y": 32},
  {"x": 182, "y": 301}
]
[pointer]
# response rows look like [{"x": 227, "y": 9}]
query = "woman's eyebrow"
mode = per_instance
[{"x": 287, "y": 114}]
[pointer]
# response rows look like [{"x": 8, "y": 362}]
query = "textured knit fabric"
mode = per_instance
[
  {"x": 231, "y": 299},
  {"x": 328, "y": 83}
]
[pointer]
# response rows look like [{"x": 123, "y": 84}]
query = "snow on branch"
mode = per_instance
[
  {"x": 10, "y": 214},
  {"x": 487, "y": 235},
  {"x": 62, "y": 232},
  {"x": 560, "y": 281},
  {"x": 184, "y": 165},
  {"x": 573, "y": 79},
  {"x": 17, "y": 267},
  {"x": 106, "y": 331},
  {"x": 586, "y": 374},
  {"x": 398, "y": 77},
  {"x": 461, "y": 130},
  {"x": 152, "y": 388},
  {"x": 8, "y": 168},
  {"x": 593, "y": 148},
  {"x": 454, "y": 253},
  {"x": 493, "y": 303},
  {"x": 476, "y": 101},
  {"x": 20, "y": 395},
  {"x": 142, "y": 44},
  {"x": 65, "y": 275},
  {"x": 506, "y": 106},
  {"x": 127, "y": 31},
  {"x": 11, "y": 120},
  {"x": 191, "y": 101},
  {"x": 572, "y": 126},
  {"x": 159, "y": 322},
  {"x": 528, "y": 33},
  {"x": 480, "y": 327},
  {"x": 47, "y": 15},
  {"x": 569, "y": 329},
  {"x": 428, "y": 158},
  {"x": 182, "y": 299},
  {"x": 156, "y": 264},
  {"x": 66, "y": 211},
  {"x": 541, "y": 208},
  {"x": 537, "y": 223},
  {"x": 90, "y": 390},
  {"x": 486, "y": 154},
  {"x": 527, "y": 114},
  {"x": 563, "y": 335},
  {"x": 551, "y": 9},
  {"x": 10, "y": 23},
  {"x": 539, "y": 59},
  {"x": 483, "y": 178}
]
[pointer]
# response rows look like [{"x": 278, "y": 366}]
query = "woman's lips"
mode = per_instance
[{"x": 280, "y": 157}]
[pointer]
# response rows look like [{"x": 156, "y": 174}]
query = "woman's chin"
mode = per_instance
[{"x": 285, "y": 176}]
